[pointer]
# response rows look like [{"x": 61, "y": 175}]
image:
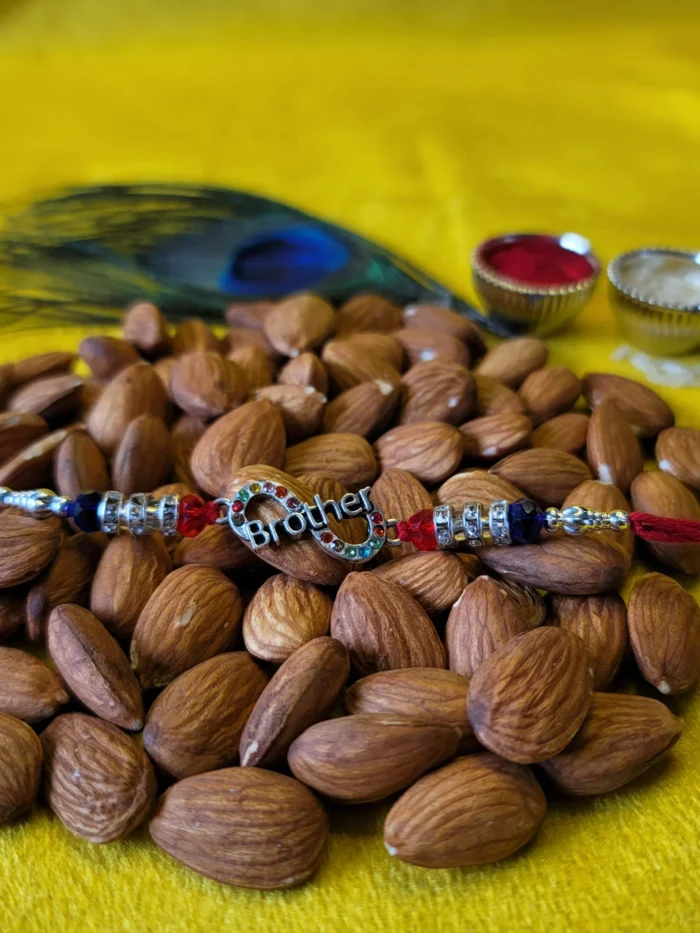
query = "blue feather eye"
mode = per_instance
[{"x": 281, "y": 261}]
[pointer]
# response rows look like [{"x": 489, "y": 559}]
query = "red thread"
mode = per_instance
[
  {"x": 670, "y": 530},
  {"x": 418, "y": 530}
]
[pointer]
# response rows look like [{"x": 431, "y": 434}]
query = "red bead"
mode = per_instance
[
  {"x": 280, "y": 492},
  {"x": 536, "y": 260},
  {"x": 212, "y": 511},
  {"x": 191, "y": 516},
  {"x": 377, "y": 517},
  {"x": 379, "y": 532},
  {"x": 326, "y": 537},
  {"x": 237, "y": 506},
  {"x": 293, "y": 502}
]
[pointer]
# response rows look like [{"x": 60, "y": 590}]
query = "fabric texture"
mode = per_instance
[{"x": 427, "y": 129}]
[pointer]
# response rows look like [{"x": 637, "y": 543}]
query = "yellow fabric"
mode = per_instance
[{"x": 427, "y": 128}]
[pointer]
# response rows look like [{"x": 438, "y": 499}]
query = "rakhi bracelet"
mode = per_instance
[{"x": 501, "y": 523}]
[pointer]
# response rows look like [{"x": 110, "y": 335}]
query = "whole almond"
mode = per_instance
[
  {"x": 97, "y": 780},
  {"x": 249, "y": 314},
  {"x": 298, "y": 324},
  {"x": 527, "y": 701},
  {"x": 66, "y": 580},
  {"x": 185, "y": 434},
  {"x": 302, "y": 692},
  {"x": 437, "y": 318},
  {"x": 434, "y": 578},
  {"x": 476, "y": 486},
  {"x": 134, "y": 391},
  {"x": 474, "y": 811},
  {"x": 301, "y": 408},
  {"x": 512, "y": 361},
  {"x": 284, "y": 614},
  {"x": 399, "y": 495},
  {"x": 363, "y": 758},
  {"x": 612, "y": 447},
  {"x": 365, "y": 409},
  {"x": 17, "y": 431},
  {"x": 549, "y": 392},
  {"x": 494, "y": 398},
  {"x": 215, "y": 546},
  {"x": 144, "y": 456},
  {"x": 106, "y": 356},
  {"x": 94, "y": 667},
  {"x": 664, "y": 628},
  {"x": 662, "y": 494},
  {"x": 205, "y": 822},
  {"x": 196, "y": 723},
  {"x": 29, "y": 689},
  {"x": 305, "y": 370},
  {"x": 565, "y": 432},
  {"x": 27, "y": 545},
  {"x": 620, "y": 738},
  {"x": 6, "y": 380},
  {"x": 437, "y": 390},
  {"x": 129, "y": 572},
  {"x": 678, "y": 453},
  {"x": 32, "y": 466},
  {"x": 146, "y": 328},
  {"x": 240, "y": 337},
  {"x": 80, "y": 465},
  {"x": 384, "y": 346},
  {"x": 193, "y": 615},
  {"x": 164, "y": 369},
  {"x": 424, "y": 693},
  {"x": 602, "y": 497},
  {"x": 601, "y": 623},
  {"x": 20, "y": 767},
  {"x": 494, "y": 436},
  {"x": 253, "y": 433},
  {"x": 255, "y": 364},
  {"x": 51, "y": 397},
  {"x": 193, "y": 334},
  {"x": 41, "y": 364},
  {"x": 12, "y": 611},
  {"x": 430, "y": 451},
  {"x": 206, "y": 384},
  {"x": 348, "y": 363},
  {"x": 383, "y": 627},
  {"x": 545, "y": 475},
  {"x": 641, "y": 406},
  {"x": 345, "y": 457},
  {"x": 367, "y": 312},
  {"x": 423, "y": 344},
  {"x": 488, "y": 614}
]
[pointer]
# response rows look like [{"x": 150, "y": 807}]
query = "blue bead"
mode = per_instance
[
  {"x": 83, "y": 511},
  {"x": 526, "y": 521}
]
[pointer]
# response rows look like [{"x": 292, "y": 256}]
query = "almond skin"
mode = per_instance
[
  {"x": 29, "y": 689},
  {"x": 664, "y": 495},
  {"x": 486, "y": 616},
  {"x": 565, "y": 432},
  {"x": 384, "y": 346},
  {"x": 345, "y": 457},
  {"x": 548, "y": 476},
  {"x": 423, "y": 693},
  {"x": 52, "y": 397},
  {"x": 476, "y": 486},
  {"x": 298, "y": 324},
  {"x": 400, "y": 495},
  {"x": 620, "y": 738},
  {"x": 601, "y": 623},
  {"x": 363, "y": 758},
  {"x": 94, "y": 667},
  {"x": 383, "y": 627},
  {"x": 430, "y": 451},
  {"x": 424, "y": 344},
  {"x": 193, "y": 615},
  {"x": 495, "y": 436},
  {"x": 664, "y": 629},
  {"x": 642, "y": 407},
  {"x": 17, "y": 431},
  {"x": 194, "y": 334},
  {"x": 528, "y": 699},
  {"x": 12, "y": 611},
  {"x": 678, "y": 453},
  {"x": 612, "y": 447},
  {"x": 106, "y": 356},
  {"x": 196, "y": 723},
  {"x": 348, "y": 364},
  {"x": 365, "y": 409},
  {"x": 305, "y": 370},
  {"x": 250, "y": 314},
  {"x": 80, "y": 465},
  {"x": 206, "y": 384},
  {"x": 434, "y": 578},
  {"x": 185, "y": 435},
  {"x": 20, "y": 767},
  {"x": 549, "y": 392},
  {"x": 27, "y": 545},
  {"x": 494, "y": 398},
  {"x": 134, "y": 391},
  {"x": 443, "y": 320},
  {"x": 146, "y": 328},
  {"x": 243, "y": 826},
  {"x": 215, "y": 546},
  {"x": 473, "y": 811},
  {"x": 302, "y": 692},
  {"x": 301, "y": 408},
  {"x": 513, "y": 360},
  {"x": 240, "y": 337},
  {"x": 144, "y": 456},
  {"x": 437, "y": 390},
  {"x": 32, "y": 466},
  {"x": 256, "y": 366},
  {"x": 367, "y": 313},
  {"x": 97, "y": 780},
  {"x": 41, "y": 364}
]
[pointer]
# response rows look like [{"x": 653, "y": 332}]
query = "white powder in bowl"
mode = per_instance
[{"x": 662, "y": 278}]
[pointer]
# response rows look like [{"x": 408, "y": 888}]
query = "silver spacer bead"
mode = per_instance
[
  {"x": 472, "y": 524},
  {"x": 443, "y": 519},
  {"x": 4, "y": 491},
  {"x": 168, "y": 508},
  {"x": 498, "y": 523},
  {"x": 619, "y": 520},
  {"x": 552, "y": 520},
  {"x": 109, "y": 511},
  {"x": 37, "y": 502},
  {"x": 138, "y": 514},
  {"x": 575, "y": 520},
  {"x": 59, "y": 505}
]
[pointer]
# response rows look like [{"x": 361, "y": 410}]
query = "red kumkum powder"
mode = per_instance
[{"x": 536, "y": 260}]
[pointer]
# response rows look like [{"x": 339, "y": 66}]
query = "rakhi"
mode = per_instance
[{"x": 501, "y": 523}]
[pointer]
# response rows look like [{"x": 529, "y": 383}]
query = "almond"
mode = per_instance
[
  {"x": 494, "y": 398},
  {"x": 620, "y": 738},
  {"x": 164, "y": 368},
  {"x": 678, "y": 453},
  {"x": 488, "y": 614},
  {"x": 664, "y": 495},
  {"x": 298, "y": 324},
  {"x": 353, "y": 530},
  {"x": 431, "y": 451},
  {"x": 302, "y": 692},
  {"x": 6, "y": 380},
  {"x": 349, "y": 364},
  {"x": 20, "y": 767},
  {"x": 253, "y": 433},
  {"x": 305, "y": 370},
  {"x": 603, "y": 497},
  {"x": 134, "y": 391},
  {"x": 40, "y": 365},
  {"x": 27, "y": 546},
  {"x": 255, "y": 364},
  {"x": 240, "y": 337},
  {"x": 249, "y": 314},
  {"x": 80, "y": 465},
  {"x": 550, "y": 392},
  {"x": 31, "y": 467},
  {"x": 193, "y": 334},
  {"x": 437, "y": 391},
  {"x": 94, "y": 667},
  {"x": 528, "y": 699},
  {"x": 243, "y": 826},
  {"x": 144, "y": 456},
  {"x": 345, "y": 457},
  {"x": 399, "y": 495},
  {"x": 494, "y": 436},
  {"x": 185, "y": 434},
  {"x": 301, "y": 408},
  {"x": 97, "y": 780},
  {"x": 193, "y": 615},
  {"x": 384, "y": 346},
  {"x": 565, "y": 432},
  {"x": 548, "y": 476},
  {"x": 476, "y": 486},
  {"x": 423, "y": 693},
  {"x": 284, "y": 614},
  {"x": 129, "y": 572},
  {"x": 12, "y": 611},
  {"x": 52, "y": 397},
  {"x": 512, "y": 361},
  {"x": 28, "y": 689},
  {"x": 196, "y": 723},
  {"x": 17, "y": 431},
  {"x": 473, "y": 811},
  {"x": 215, "y": 546},
  {"x": 612, "y": 448},
  {"x": 445, "y": 321},
  {"x": 664, "y": 628},
  {"x": 146, "y": 328},
  {"x": 367, "y": 312},
  {"x": 106, "y": 356},
  {"x": 423, "y": 344},
  {"x": 601, "y": 623},
  {"x": 206, "y": 384},
  {"x": 641, "y": 406},
  {"x": 434, "y": 578},
  {"x": 359, "y": 759},
  {"x": 365, "y": 409},
  {"x": 383, "y": 627}
]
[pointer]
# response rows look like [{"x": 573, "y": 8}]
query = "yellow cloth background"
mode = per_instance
[{"x": 427, "y": 128}]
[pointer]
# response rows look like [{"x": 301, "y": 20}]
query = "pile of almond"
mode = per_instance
[{"x": 253, "y": 689}]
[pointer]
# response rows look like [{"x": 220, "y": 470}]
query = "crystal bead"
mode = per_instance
[
  {"x": 83, "y": 511},
  {"x": 526, "y": 521},
  {"x": 191, "y": 518}
]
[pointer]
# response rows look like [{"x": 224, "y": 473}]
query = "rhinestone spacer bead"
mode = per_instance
[
  {"x": 472, "y": 524},
  {"x": 498, "y": 523},
  {"x": 109, "y": 511},
  {"x": 443, "y": 520}
]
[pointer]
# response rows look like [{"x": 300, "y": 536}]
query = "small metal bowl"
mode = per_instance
[
  {"x": 659, "y": 328},
  {"x": 520, "y": 308}
]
